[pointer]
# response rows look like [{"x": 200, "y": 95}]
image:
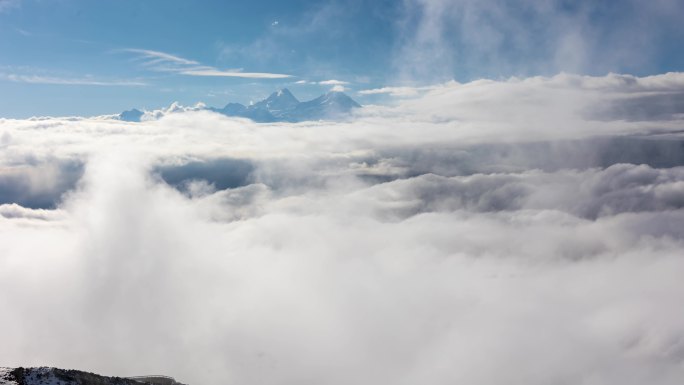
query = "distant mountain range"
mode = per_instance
[{"x": 280, "y": 106}]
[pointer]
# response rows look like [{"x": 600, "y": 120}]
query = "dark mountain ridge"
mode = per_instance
[{"x": 56, "y": 376}]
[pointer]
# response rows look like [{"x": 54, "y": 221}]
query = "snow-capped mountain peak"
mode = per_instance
[
  {"x": 280, "y": 106},
  {"x": 278, "y": 102}
]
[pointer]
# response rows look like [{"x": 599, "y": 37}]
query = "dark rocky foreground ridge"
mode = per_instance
[
  {"x": 56, "y": 376},
  {"x": 280, "y": 106}
]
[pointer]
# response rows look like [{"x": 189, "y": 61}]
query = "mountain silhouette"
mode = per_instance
[{"x": 281, "y": 106}]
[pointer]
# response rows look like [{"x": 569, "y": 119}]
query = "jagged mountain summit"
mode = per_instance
[
  {"x": 332, "y": 105},
  {"x": 280, "y": 106},
  {"x": 55, "y": 376},
  {"x": 132, "y": 115}
]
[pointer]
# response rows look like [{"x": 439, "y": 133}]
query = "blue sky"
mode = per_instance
[{"x": 77, "y": 57}]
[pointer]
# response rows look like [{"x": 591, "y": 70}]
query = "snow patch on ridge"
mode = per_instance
[{"x": 5, "y": 377}]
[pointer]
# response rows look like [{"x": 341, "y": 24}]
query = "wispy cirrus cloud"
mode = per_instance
[
  {"x": 234, "y": 74},
  {"x": 157, "y": 57},
  {"x": 165, "y": 62},
  {"x": 337, "y": 85},
  {"x": 87, "y": 81},
  {"x": 333, "y": 82},
  {"x": 23, "y": 32},
  {"x": 8, "y": 4},
  {"x": 395, "y": 91},
  {"x": 440, "y": 39}
]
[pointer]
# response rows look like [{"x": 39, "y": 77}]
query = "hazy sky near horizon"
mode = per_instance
[{"x": 76, "y": 57}]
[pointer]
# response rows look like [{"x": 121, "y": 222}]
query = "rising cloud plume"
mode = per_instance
[{"x": 440, "y": 39}]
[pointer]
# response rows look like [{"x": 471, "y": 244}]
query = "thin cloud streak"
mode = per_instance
[
  {"x": 8, "y": 4},
  {"x": 165, "y": 62},
  {"x": 333, "y": 82},
  {"x": 23, "y": 32},
  {"x": 235, "y": 74},
  {"x": 35, "y": 79},
  {"x": 395, "y": 91},
  {"x": 157, "y": 56}
]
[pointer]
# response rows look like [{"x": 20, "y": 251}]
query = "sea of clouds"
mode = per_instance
[{"x": 522, "y": 231}]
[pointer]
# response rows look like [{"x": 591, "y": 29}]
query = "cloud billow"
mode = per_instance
[{"x": 433, "y": 241}]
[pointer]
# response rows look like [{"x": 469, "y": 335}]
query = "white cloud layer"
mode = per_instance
[
  {"x": 173, "y": 108},
  {"x": 523, "y": 231}
]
